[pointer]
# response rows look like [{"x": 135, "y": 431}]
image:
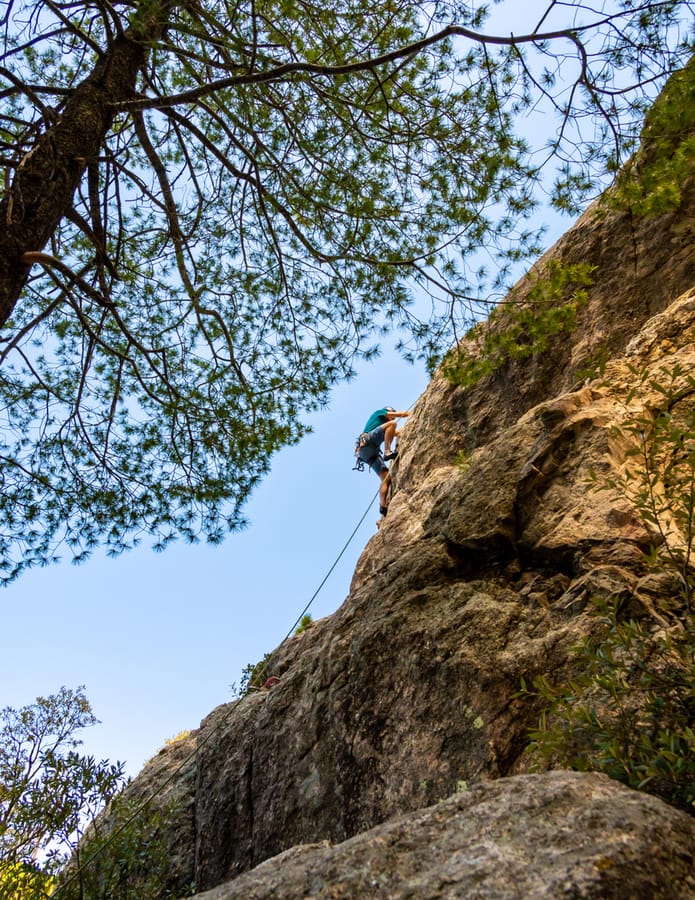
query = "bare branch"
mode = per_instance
[
  {"x": 26, "y": 89},
  {"x": 284, "y": 70},
  {"x": 71, "y": 27},
  {"x": 31, "y": 257}
]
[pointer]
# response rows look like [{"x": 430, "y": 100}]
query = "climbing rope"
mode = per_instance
[
  {"x": 213, "y": 731},
  {"x": 329, "y": 572}
]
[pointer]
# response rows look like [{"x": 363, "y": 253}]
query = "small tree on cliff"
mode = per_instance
[
  {"x": 49, "y": 791},
  {"x": 210, "y": 209}
]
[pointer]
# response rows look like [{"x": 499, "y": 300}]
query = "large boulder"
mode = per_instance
[{"x": 549, "y": 836}]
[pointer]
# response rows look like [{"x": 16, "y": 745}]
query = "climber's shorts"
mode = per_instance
[{"x": 370, "y": 451}]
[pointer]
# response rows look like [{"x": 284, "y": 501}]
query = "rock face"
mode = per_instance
[
  {"x": 480, "y": 575},
  {"x": 559, "y": 835}
]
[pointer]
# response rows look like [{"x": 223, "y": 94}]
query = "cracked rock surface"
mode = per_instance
[{"x": 553, "y": 836}]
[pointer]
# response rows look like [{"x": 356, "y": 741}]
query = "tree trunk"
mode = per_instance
[{"x": 45, "y": 181}]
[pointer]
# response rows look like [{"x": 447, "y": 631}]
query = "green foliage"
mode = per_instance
[
  {"x": 254, "y": 675},
  {"x": 47, "y": 789},
  {"x": 304, "y": 623},
  {"x": 122, "y": 856},
  {"x": 653, "y": 181},
  {"x": 660, "y": 474},
  {"x": 519, "y": 331},
  {"x": 181, "y": 736},
  {"x": 630, "y": 708},
  {"x": 462, "y": 461},
  {"x": 594, "y": 365},
  {"x": 24, "y": 881},
  {"x": 66, "y": 828}
]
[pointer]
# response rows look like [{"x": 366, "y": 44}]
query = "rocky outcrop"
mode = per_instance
[
  {"x": 559, "y": 835},
  {"x": 480, "y": 576}
]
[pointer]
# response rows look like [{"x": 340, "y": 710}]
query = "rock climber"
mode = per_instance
[{"x": 381, "y": 428}]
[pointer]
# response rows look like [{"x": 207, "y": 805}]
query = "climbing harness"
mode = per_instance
[{"x": 360, "y": 442}]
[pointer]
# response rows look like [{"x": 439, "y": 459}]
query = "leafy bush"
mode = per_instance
[
  {"x": 24, "y": 881},
  {"x": 629, "y": 710},
  {"x": 48, "y": 790},
  {"x": 652, "y": 183},
  {"x": 661, "y": 483},
  {"x": 122, "y": 856},
  {"x": 304, "y": 623},
  {"x": 66, "y": 828},
  {"x": 181, "y": 736},
  {"x": 254, "y": 675},
  {"x": 462, "y": 461}
]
